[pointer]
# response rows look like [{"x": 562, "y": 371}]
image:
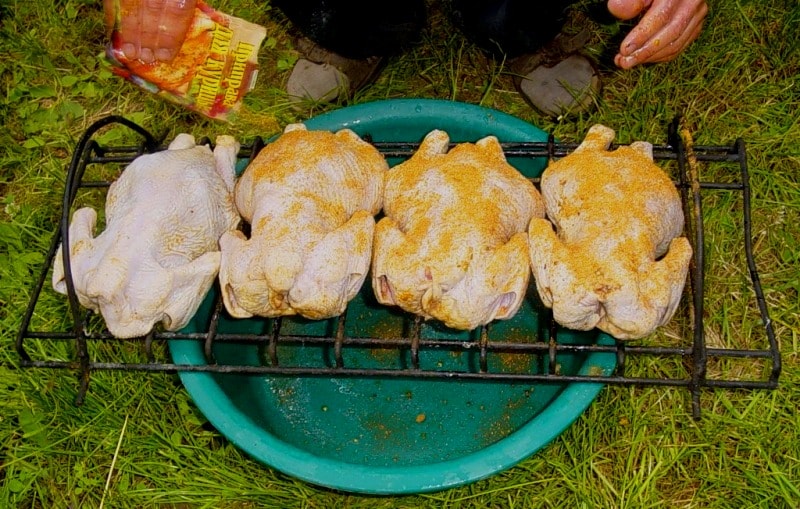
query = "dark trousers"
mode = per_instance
[{"x": 364, "y": 28}]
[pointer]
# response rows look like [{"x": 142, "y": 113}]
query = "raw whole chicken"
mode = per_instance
[
  {"x": 453, "y": 245},
  {"x": 310, "y": 198},
  {"x": 616, "y": 214},
  {"x": 158, "y": 255}
]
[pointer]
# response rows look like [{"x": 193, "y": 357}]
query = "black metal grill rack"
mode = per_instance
[{"x": 692, "y": 351}]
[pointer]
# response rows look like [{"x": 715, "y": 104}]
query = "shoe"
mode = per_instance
[
  {"x": 567, "y": 87},
  {"x": 558, "y": 80},
  {"x": 324, "y": 76}
]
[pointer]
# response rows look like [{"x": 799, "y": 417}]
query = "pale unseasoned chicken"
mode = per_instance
[
  {"x": 453, "y": 245},
  {"x": 158, "y": 255},
  {"x": 616, "y": 214},
  {"x": 310, "y": 198}
]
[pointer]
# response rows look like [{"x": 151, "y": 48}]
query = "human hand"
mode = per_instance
[
  {"x": 150, "y": 30},
  {"x": 666, "y": 29}
]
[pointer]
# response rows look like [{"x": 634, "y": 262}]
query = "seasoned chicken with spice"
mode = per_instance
[
  {"x": 310, "y": 198},
  {"x": 616, "y": 260},
  {"x": 453, "y": 244},
  {"x": 158, "y": 255}
]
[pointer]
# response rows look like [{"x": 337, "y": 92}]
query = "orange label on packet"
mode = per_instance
[{"x": 213, "y": 70}]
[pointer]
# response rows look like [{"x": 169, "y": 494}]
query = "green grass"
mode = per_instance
[{"x": 138, "y": 441}]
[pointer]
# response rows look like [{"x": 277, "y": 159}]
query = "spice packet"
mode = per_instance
[{"x": 215, "y": 67}]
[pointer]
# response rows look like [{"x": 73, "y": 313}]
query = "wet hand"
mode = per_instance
[
  {"x": 667, "y": 27},
  {"x": 151, "y": 30}
]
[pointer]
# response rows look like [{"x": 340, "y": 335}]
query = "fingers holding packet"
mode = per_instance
[{"x": 210, "y": 72}]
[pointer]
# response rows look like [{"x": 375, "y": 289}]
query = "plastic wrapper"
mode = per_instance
[{"x": 215, "y": 67}]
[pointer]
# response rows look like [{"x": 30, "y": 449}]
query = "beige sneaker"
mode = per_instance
[
  {"x": 558, "y": 80},
  {"x": 569, "y": 86},
  {"x": 324, "y": 76}
]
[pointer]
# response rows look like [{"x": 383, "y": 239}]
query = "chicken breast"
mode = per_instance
[
  {"x": 158, "y": 255},
  {"x": 616, "y": 260},
  {"x": 310, "y": 198},
  {"x": 453, "y": 244}
]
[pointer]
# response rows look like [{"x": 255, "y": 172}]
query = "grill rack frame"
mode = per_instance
[{"x": 695, "y": 356}]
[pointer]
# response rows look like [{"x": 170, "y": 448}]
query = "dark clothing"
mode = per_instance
[
  {"x": 510, "y": 27},
  {"x": 357, "y": 28},
  {"x": 364, "y": 28}
]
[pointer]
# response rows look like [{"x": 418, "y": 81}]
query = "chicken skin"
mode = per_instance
[
  {"x": 453, "y": 244},
  {"x": 310, "y": 198},
  {"x": 158, "y": 255},
  {"x": 616, "y": 260}
]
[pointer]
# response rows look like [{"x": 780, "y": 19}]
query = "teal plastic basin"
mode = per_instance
[{"x": 394, "y": 435}]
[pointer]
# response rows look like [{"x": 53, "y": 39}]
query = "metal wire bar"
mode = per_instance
[
  {"x": 338, "y": 343},
  {"x": 687, "y": 165},
  {"x": 235, "y": 369},
  {"x": 273, "y": 342},
  {"x": 545, "y": 350},
  {"x": 739, "y": 147},
  {"x": 208, "y": 344}
]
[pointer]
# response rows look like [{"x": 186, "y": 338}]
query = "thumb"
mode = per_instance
[
  {"x": 627, "y": 9},
  {"x": 109, "y": 14}
]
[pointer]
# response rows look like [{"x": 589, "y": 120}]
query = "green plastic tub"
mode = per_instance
[{"x": 394, "y": 435}]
